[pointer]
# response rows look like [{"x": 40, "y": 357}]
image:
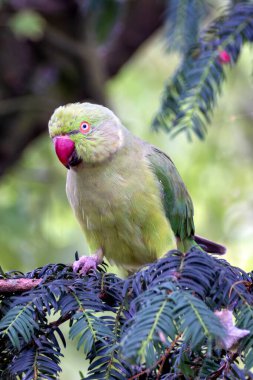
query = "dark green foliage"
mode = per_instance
[
  {"x": 183, "y": 23},
  {"x": 190, "y": 95},
  {"x": 104, "y": 14},
  {"x": 244, "y": 316},
  {"x": 19, "y": 323},
  {"x": 157, "y": 324},
  {"x": 39, "y": 361}
]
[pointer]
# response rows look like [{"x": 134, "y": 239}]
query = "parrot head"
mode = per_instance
[{"x": 85, "y": 132}]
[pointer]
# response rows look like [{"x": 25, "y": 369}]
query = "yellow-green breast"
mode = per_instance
[{"x": 119, "y": 208}]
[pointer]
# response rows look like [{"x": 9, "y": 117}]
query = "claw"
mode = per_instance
[{"x": 86, "y": 263}]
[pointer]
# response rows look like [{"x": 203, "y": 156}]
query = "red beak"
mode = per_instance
[{"x": 64, "y": 148}]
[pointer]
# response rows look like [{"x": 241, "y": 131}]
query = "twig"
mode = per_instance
[
  {"x": 59, "y": 321},
  {"x": 25, "y": 103},
  {"x": 161, "y": 361},
  {"x": 224, "y": 367},
  {"x": 13, "y": 285},
  {"x": 244, "y": 282}
]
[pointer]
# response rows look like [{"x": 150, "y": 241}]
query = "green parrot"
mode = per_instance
[{"x": 126, "y": 194}]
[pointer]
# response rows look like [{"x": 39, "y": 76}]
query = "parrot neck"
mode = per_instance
[
  {"x": 101, "y": 177},
  {"x": 104, "y": 157}
]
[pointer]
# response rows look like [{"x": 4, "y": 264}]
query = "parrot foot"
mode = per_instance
[{"x": 86, "y": 263}]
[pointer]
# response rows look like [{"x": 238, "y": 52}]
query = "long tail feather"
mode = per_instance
[{"x": 210, "y": 246}]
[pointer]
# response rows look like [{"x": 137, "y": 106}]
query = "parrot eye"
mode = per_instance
[{"x": 85, "y": 127}]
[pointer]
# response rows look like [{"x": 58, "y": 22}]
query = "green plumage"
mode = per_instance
[
  {"x": 176, "y": 200},
  {"x": 126, "y": 194}
]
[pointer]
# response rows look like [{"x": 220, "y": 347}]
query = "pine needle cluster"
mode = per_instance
[
  {"x": 160, "y": 323},
  {"x": 190, "y": 95}
]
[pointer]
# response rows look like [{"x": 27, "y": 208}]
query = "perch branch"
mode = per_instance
[{"x": 13, "y": 285}]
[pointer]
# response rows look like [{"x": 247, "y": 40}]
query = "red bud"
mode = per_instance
[{"x": 224, "y": 57}]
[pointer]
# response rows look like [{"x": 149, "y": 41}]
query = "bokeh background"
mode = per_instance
[{"x": 54, "y": 52}]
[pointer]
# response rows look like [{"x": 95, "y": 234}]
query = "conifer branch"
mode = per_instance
[
  {"x": 191, "y": 94},
  {"x": 142, "y": 326},
  {"x": 183, "y": 23},
  {"x": 160, "y": 362}
]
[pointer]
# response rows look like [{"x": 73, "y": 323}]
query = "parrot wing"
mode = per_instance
[{"x": 175, "y": 198}]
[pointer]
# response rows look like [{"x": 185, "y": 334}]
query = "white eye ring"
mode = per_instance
[{"x": 85, "y": 127}]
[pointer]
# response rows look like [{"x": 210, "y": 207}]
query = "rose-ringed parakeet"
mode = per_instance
[{"x": 126, "y": 194}]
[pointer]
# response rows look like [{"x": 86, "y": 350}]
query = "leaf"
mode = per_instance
[
  {"x": 183, "y": 23},
  {"x": 107, "y": 365},
  {"x": 19, "y": 324},
  {"x": 27, "y": 24},
  {"x": 90, "y": 329},
  {"x": 142, "y": 334},
  {"x": 40, "y": 361},
  {"x": 195, "y": 320},
  {"x": 244, "y": 320}
]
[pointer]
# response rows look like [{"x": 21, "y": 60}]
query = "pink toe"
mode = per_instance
[{"x": 85, "y": 263}]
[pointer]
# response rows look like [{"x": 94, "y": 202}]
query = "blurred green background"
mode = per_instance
[{"x": 37, "y": 225}]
